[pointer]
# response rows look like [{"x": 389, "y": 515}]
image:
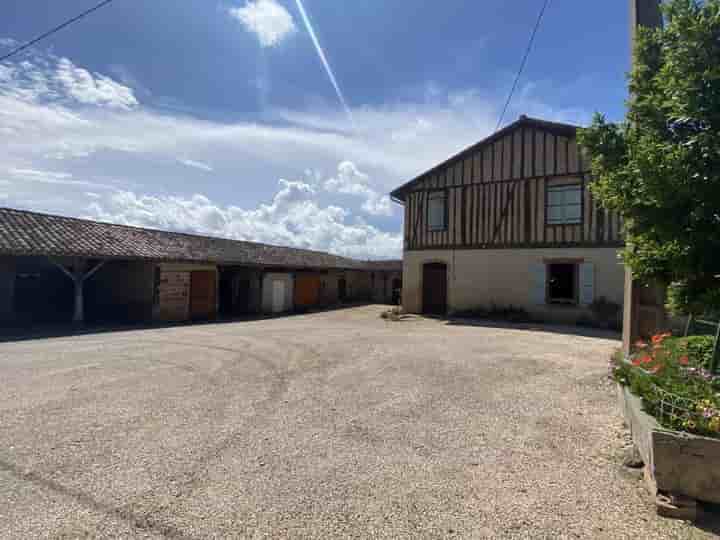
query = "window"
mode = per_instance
[
  {"x": 564, "y": 205},
  {"x": 437, "y": 211},
  {"x": 562, "y": 283}
]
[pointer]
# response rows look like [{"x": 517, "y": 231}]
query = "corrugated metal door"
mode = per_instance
[
  {"x": 307, "y": 290},
  {"x": 203, "y": 293}
]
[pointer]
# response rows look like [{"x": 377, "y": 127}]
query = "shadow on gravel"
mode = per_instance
[
  {"x": 582, "y": 331},
  {"x": 27, "y": 333},
  {"x": 709, "y": 520}
]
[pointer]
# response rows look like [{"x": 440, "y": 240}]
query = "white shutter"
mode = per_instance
[
  {"x": 538, "y": 283},
  {"x": 587, "y": 283}
]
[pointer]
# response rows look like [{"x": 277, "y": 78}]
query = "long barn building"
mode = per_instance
[
  {"x": 511, "y": 221},
  {"x": 56, "y": 269}
]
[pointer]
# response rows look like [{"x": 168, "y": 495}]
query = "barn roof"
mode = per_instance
[
  {"x": 31, "y": 233},
  {"x": 566, "y": 130}
]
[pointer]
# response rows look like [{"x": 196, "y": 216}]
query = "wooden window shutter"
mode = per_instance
[
  {"x": 587, "y": 283},
  {"x": 538, "y": 276}
]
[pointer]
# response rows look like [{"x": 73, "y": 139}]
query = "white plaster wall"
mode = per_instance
[{"x": 481, "y": 277}]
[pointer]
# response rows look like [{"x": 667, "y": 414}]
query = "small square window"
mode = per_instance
[
  {"x": 562, "y": 283},
  {"x": 564, "y": 205},
  {"x": 437, "y": 211}
]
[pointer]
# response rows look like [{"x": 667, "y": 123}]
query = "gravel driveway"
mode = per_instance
[{"x": 329, "y": 425}]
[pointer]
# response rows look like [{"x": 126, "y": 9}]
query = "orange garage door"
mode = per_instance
[
  {"x": 307, "y": 290},
  {"x": 203, "y": 294}
]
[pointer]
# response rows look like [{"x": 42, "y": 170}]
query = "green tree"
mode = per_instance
[{"x": 660, "y": 169}]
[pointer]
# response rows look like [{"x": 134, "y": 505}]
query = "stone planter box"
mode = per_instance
[{"x": 679, "y": 464}]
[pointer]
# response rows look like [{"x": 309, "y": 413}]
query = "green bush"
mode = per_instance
[{"x": 674, "y": 369}]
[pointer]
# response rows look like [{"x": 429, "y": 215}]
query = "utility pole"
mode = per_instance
[{"x": 645, "y": 13}]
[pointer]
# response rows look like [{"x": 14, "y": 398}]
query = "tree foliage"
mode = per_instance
[{"x": 660, "y": 169}]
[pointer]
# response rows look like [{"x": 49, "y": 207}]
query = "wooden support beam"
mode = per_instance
[{"x": 79, "y": 276}]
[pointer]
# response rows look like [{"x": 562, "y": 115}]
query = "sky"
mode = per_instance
[{"x": 281, "y": 121}]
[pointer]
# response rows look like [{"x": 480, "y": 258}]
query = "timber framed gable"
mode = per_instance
[{"x": 497, "y": 194}]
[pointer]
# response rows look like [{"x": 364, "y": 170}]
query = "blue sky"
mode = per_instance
[{"x": 221, "y": 118}]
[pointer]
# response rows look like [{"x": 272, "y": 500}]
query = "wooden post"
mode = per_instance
[
  {"x": 644, "y": 13},
  {"x": 79, "y": 277}
]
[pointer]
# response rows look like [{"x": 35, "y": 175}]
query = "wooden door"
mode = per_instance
[
  {"x": 342, "y": 289},
  {"x": 435, "y": 289},
  {"x": 307, "y": 290},
  {"x": 203, "y": 294}
]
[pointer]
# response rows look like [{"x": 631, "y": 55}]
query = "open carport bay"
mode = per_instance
[{"x": 334, "y": 424}]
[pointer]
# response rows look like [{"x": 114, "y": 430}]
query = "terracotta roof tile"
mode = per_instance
[{"x": 31, "y": 233}]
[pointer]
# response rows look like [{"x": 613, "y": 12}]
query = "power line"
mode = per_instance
[
  {"x": 53, "y": 30},
  {"x": 522, "y": 65}
]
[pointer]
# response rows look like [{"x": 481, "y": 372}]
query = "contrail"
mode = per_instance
[{"x": 324, "y": 60}]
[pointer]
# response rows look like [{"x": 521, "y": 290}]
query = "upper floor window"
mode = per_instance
[
  {"x": 437, "y": 211},
  {"x": 564, "y": 205}
]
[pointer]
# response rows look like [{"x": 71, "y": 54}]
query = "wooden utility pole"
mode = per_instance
[{"x": 645, "y": 13}]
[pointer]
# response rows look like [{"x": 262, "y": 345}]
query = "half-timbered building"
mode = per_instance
[{"x": 510, "y": 221}]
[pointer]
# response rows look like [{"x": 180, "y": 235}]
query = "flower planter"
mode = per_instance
[{"x": 679, "y": 464}]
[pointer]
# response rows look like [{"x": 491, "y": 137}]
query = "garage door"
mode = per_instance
[
  {"x": 435, "y": 289},
  {"x": 307, "y": 290},
  {"x": 203, "y": 293}
]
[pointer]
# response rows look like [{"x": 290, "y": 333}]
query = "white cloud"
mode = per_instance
[
  {"x": 196, "y": 165},
  {"x": 293, "y": 218},
  {"x": 267, "y": 19},
  {"x": 62, "y": 142},
  {"x": 52, "y": 79},
  {"x": 53, "y": 178},
  {"x": 350, "y": 181}
]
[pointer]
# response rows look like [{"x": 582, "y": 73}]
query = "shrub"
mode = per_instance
[{"x": 674, "y": 370}]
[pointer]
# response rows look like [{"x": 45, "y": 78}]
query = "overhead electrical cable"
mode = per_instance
[
  {"x": 522, "y": 64},
  {"x": 53, "y": 30}
]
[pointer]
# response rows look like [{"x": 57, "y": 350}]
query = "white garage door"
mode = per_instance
[{"x": 278, "y": 304}]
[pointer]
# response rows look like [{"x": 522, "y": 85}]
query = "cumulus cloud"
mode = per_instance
[
  {"x": 293, "y": 218},
  {"x": 267, "y": 19},
  {"x": 54, "y": 79},
  {"x": 350, "y": 181}
]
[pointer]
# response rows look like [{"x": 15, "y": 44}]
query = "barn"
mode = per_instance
[{"x": 55, "y": 269}]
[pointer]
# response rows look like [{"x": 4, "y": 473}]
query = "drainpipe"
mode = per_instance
[
  {"x": 79, "y": 277},
  {"x": 646, "y": 13}
]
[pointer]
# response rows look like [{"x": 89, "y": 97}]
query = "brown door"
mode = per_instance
[
  {"x": 307, "y": 290},
  {"x": 202, "y": 294},
  {"x": 435, "y": 289}
]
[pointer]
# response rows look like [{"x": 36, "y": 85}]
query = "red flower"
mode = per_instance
[
  {"x": 659, "y": 338},
  {"x": 684, "y": 360},
  {"x": 636, "y": 362},
  {"x": 646, "y": 359}
]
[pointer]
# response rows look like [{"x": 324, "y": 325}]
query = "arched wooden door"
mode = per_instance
[{"x": 435, "y": 289}]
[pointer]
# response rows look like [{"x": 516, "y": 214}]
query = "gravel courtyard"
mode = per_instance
[{"x": 329, "y": 425}]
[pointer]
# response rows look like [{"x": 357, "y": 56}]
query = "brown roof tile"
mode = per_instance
[{"x": 31, "y": 233}]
